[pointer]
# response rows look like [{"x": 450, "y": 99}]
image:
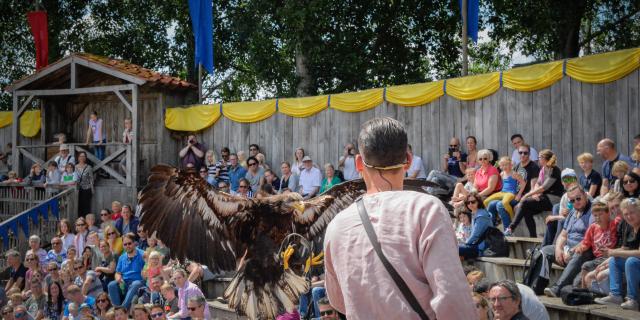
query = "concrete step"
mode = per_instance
[
  {"x": 496, "y": 269},
  {"x": 519, "y": 246},
  {"x": 522, "y": 231},
  {"x": 215, "y": 288},
  {"x": 560, "y": 311},
  {"x": 221, "y": 311}
]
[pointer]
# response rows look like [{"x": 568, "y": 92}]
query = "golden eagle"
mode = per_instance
[{"x": 218, "y": 229}]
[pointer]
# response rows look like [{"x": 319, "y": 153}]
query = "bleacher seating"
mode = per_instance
[{"x": 495, "y": 269}]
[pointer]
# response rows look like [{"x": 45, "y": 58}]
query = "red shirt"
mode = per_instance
[
  {"x": 115, "y": 216},
  {"x": 597, "y": 237},
  {"x": 482, "y": 179}
]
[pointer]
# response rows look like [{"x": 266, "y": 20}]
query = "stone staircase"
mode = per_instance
[{"x": 495, "y": 269}]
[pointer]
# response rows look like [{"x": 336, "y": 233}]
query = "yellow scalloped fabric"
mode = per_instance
[
  {"x": 251, "y": 111},
  {"x": 413, "y": 95},
  {"x": 356, "y": 101},
  {"x": 473, "y": 87},
  {"x": 192, "y": 118},
  {"x": 534, "y": 77},
  {"x": 605, "y": 67},
  {"x": 303, "y": 107}
]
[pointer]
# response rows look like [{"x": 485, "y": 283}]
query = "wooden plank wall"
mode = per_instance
[{"x": 569, "y": 117}]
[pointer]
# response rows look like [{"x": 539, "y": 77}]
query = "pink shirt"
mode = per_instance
[
  {"x": 482, "y": 179},
  {"x": 415, "y": 233}
]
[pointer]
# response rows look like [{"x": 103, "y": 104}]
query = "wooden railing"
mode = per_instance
[
  {"x": 112, "y": 152},
  {"x": 45, "y": 228}
]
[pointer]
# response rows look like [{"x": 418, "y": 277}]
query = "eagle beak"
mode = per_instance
[{"x": 299, "y": 206}]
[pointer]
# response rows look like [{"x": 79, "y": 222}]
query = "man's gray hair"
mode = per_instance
[
  {"x": 12, "y": 253},
  {"x": 34, "y": 238},
  {"x": 382, "y": 142},
  {"x": 200, "y": 300}
]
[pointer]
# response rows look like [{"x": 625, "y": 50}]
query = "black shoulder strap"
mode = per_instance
[{"x": 404, "y": 289}]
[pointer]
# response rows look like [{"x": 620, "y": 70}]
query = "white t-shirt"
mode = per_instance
[
  {"x": 309, "y": 179},
  {"x": 417, "y": 166},
  {"x": 515, "y": 156},
  {"x": 349, "y": 171},
  {"x": 532, "y": 308}
]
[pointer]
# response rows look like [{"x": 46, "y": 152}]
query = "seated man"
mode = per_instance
[
  {"x": 128, "y": 277},
  {"x": 563, "y": 251},
  {"x": 151, "y": 295},
  {"x": 76, "y": 297},
  {"x": 327, "y": 312}
]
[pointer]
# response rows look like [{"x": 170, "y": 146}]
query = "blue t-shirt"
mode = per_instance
[
  {"x": 594, "y": 178},
  {"x": 577, "y": 227},
  {"x": 131, "y": 267},
  {"x": 510, "y": 184},
  {"x": 88, "y": 300},
  {"x": 607, "y": 167},
  {"x": 235, "y": 174},
  {"x": 453, "y": 165}
]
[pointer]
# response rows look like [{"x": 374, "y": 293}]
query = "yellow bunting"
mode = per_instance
[
  {"x": 192, "y": 118},
  {"x": 533, "y": 77},
  {"x": 251, "y": 111},
  {"x": 412, "y": 95},
  {"x": 606, "y": 67},
  {"x": 302, "y": 107},
  {"x": 356, "y": 101},
  {"x": 6, "y": 118},
  {"x": 30, "y": 123},
  {"x": 473, "y": 87}
]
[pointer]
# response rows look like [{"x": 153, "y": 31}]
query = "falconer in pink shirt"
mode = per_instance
[{"x": 414, "y": 231}]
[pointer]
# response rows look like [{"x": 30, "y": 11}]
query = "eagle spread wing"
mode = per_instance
[{"x": 232, "y": 233}]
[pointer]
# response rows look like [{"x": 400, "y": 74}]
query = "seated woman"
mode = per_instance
[
  {"x": 462, "y": 190},
  {"x": 330, "y": 179},
  {"x": 546, "y": 192},
  {"x": 625, "y": 261},
  {"x": 487, "y": 179},
  {"x": 618, "y": 170},
  {"x": 631, "y": 185},
  {"x": 481, "y": 222},
  {"x": 512, "y": 185}
]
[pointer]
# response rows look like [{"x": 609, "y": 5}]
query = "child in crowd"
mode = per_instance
[
  {"x": 171, "y": 306},
  {"x": 512, "y": 188},
  {"x": 69, "y": 177},
  {"x": 153, "y": 267},
  {"x": 90, "y": 219},
  {"x": 463, "y": 230},
  {"x": 462, "y": 190},
  {"x": 12, "y": 178}
]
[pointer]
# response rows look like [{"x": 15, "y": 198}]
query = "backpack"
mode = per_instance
[
  {"x": 533, "y": 265},
  {"x": 496, "y": 243},
  {"x": 577, "y": 297}
]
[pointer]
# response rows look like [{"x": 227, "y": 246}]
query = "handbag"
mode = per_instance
[{"x": 404, "y": 289}]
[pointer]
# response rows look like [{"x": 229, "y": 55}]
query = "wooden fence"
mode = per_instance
[{"x": 569, "y": 117}]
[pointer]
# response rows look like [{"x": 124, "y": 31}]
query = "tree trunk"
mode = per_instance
[
  {"x": 569, "y": 30},
  {"x": 302, "y": 72}
]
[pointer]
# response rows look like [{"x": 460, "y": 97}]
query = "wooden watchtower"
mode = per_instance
[{"x": 68, "y": 90}]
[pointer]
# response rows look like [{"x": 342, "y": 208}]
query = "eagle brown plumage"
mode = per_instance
[{"x": 218, "y": 229}]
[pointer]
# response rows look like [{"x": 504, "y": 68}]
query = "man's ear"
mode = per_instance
[
  {"x": 409, "y": 160},
  {"x": 359, "y": 163}
]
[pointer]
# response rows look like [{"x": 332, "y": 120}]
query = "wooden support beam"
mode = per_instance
[
  {"x": 109, "y": 71},
  {"x": 65, "y": 92},
  {"x": 74, "y": 80},
  {"x": 40, "y": 74},
  {"x": 15, "y": 127},
  {"x": 123, "y": 99},
  {"x": 102, "y": 164},
  {"x": 32, "y": 157},
  {"x": 136, "y": 138},
  {"x": 25, "y": 105}
]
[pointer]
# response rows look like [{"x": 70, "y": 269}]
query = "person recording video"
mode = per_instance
[{"x": 193, "y": 154}]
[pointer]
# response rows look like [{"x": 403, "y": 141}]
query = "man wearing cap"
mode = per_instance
[
  {"x": 310, "y": 178},
  {"x": 560, "y": 210},
  {"x": 64, "y": 157},
  {"x": 563, "y": 252},
  {"x": 414, "y": 231}
]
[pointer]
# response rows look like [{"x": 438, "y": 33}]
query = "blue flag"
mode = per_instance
[
  {"x": 201, "y": 12},
  {"x": 473, "y": 8}
]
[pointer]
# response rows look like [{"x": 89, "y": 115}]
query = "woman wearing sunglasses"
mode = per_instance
[
  {"x": 631, "y": 185},
  {"x": 543, "y": 195},
  {"x": 481, "y": 222}
]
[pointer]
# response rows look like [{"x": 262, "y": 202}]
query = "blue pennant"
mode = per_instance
[
  {"x": 23, "y": 220},
  {"x": 33, "y": 214},
  {"x": 13, "y": 226},
  {"x": 55, "y": 207},
  {"x": 5, "y": 237},
  {"x": 44, "y": 212}
]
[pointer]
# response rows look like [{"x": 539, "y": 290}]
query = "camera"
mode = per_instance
[
  {"x": 191, "y": 141},
  {"x": 451, "y": 151}
]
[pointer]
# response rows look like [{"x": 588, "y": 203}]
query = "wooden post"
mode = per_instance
[
  {"x": 199, "y": 82},
  {"x": 136, "y": 137},
  {"x": 73, "y": 74},
  {"x": 465, "y": 40},
  {"x": 14, "y": 135}
]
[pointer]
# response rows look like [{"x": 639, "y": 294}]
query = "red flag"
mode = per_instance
[{"x": 38, "y": 22}]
